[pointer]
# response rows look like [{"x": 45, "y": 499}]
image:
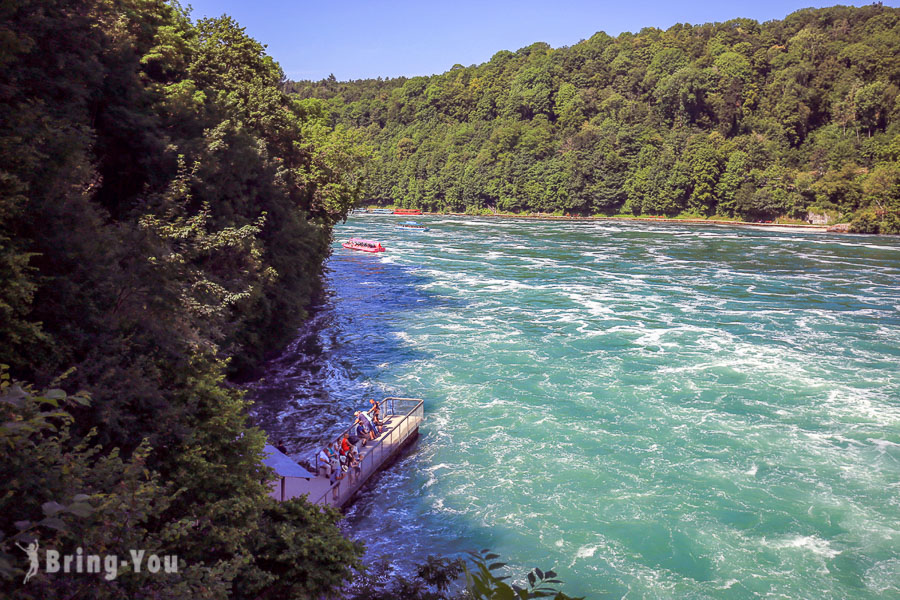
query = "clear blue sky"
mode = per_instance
[{"x": 358, "y": 39}]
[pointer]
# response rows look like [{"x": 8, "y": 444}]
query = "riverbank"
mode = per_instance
[
  {"x": 549, "y": 217},
  {"x": 839, "y": 228}
]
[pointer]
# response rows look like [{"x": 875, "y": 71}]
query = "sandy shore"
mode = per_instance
[{"x": 545, "y": 217}]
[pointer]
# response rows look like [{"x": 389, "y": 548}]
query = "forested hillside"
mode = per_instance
[
  {"x": 739, "y": 119},
  {"x": 165, "y": 209}
]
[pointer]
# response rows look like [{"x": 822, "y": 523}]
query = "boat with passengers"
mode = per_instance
[
  {"x": 407, "y": 211},
  {"x": 381, "y": 211},
  {"x": 363, "y": 245},
  {"x": 412, "y": 225}
]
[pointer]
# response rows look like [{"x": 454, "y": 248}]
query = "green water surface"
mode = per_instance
[{"x": 658, "y": 411}]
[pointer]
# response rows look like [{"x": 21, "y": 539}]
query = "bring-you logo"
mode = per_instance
[{"x": 107, "y": 565}]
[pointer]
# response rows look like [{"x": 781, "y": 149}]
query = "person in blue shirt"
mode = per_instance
[
  {"x": 363, "y": 419},
  {"x": 361, "y": 432}
]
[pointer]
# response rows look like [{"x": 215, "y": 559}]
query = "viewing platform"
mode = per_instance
[{"x": 401, "y": 418}]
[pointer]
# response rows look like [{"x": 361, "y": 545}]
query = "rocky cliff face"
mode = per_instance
[{"x": 819, "y": 218}]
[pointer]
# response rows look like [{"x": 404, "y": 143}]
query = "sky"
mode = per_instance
[{"x": 357, "y": 39}]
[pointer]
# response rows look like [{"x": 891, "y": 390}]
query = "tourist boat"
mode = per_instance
[
  {"x": 363, "y": 245},
  {"x": 357, "y": 211},
  {"x": 382, "y": 211},
  {"x": 407, "y": 211},
  {"x": 412, "y": 225}
]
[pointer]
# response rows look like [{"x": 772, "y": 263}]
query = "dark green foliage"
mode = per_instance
[
  {"x": 866, "y": 222},
  {"x": 165, "y": 209},
  {"x": 439, "y": 579},
  {"x": 747, "y": 120},
  {"x": 298, "y": 552},
  {"x": 87, "y": 498},
  {"x": 482, "y": 583},
  {"x": 870, "y": 221},
  {"x": 435, "y": 579}
]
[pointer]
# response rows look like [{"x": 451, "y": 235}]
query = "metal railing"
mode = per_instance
[
  {"x": 401, "y": 417},
  {"x": 352, "y": 429}
]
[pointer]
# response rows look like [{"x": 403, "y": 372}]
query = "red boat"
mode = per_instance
[
  {"x": 363, "y": 245},
  {"x": 407, "y": 211}
]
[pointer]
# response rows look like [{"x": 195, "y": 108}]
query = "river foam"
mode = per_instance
[{"x": 659, "y": 411}]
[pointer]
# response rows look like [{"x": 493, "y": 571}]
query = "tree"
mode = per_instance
[
  {"x": 734, "y": 176},
  {"x": 777, "y": 86},
  {"x": 705, "y": 168},
  {"x": 168, "y": 211}
]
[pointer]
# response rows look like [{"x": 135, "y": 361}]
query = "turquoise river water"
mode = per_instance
[{"x": 656, "y": 410}]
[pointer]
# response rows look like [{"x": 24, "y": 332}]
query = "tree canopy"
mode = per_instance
[
  {"x": 165, "y": 209},
  {"x": 740, "y": 119}
]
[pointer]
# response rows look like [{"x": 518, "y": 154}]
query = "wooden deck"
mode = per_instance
[{"x": 402, "y": 417}]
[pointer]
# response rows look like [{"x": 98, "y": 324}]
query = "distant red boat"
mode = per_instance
[
  {"x": 407, "y": 211},
  {"x": 363, "y": 245}
]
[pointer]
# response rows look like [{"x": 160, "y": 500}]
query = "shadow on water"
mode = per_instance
[
  {"x": 308, "y": 393},
  {"x": 346, "y": 352}
]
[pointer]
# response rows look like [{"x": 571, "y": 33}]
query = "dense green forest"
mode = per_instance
[
  {"x": 165, "y": 211},
  {"x": 166, "y": 204},
  {"x": 739, "y": 119},
  {"x": 164, "y": 214}
]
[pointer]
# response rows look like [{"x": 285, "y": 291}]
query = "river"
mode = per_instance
[{"x": 656, "y": 410}]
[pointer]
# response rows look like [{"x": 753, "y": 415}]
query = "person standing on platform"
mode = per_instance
[
  {"x": 324, "y": 462},
  {"x": 355, "y": 468},
  {"x": 375, "y": 413}
]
